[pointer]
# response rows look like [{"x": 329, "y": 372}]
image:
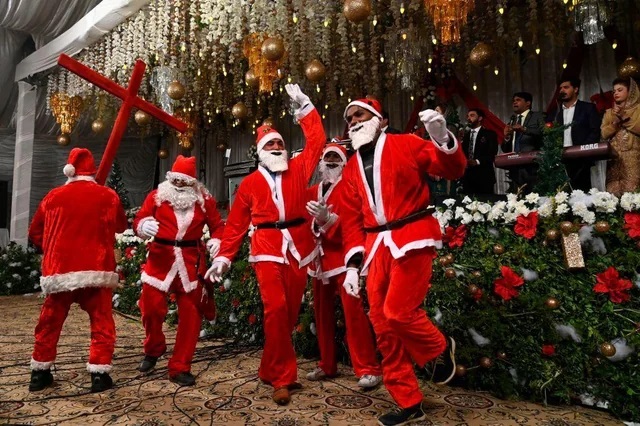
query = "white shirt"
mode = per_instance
[
  {"x": 567, "y": 117},
  {"x": 524, "y": 117}
]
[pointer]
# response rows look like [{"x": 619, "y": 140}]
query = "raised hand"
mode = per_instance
[{"x": 435, "y": 124}]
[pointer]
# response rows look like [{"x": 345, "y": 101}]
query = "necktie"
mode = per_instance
[
  {"x": 472, "y": 143},
  {"x": 518, "y": 135}
]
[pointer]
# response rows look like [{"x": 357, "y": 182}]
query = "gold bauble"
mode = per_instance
[
  {"x": 485, "y": 362},
  {"x": 442, "y": 260},
  {"x": 629, "y": 68},
  {"x": 97, "y": 126},
  {"x": 607, "y": 349},
  {"x": 552, "y": 234},
  {"x": 268, "y": 122},
  {"x": 314, "y": 70},
  {"x": 602, "y": 226},
  {"x": 450, "y": 273},
  {"x": 461, "y": 370},
  {"x": 176, "y": 90},
  {"x": 273, "y": 48},
  {"x": 501, "y": 355},
  {"x": 222, "y": 147},
  {"x": 356, "y": 10},
  {"x": 473, "y": 289},
  {"x": 481, "y": 55},
  {"x": 239, "y": 111},
  {"x": 450, "y": 258},
  {"x": 552, "y": 303},
  {"x": 567, "y": 227},
  {"x": 63, "y": 139},
  {"x": 252, "y": 79},
  {"x": 142, "y": 118},
  {"x": 498, "y": 249},
  {"x": 163, "y": 153}
]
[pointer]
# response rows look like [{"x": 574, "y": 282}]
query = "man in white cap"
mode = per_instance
[
  {"x": 272, "y": 199},
  {"x": 328, "y": 271},
  {"x": 75, "y": 227},
  {"x": 390, "y": 236},
  {"x": 175, "y": 215}
]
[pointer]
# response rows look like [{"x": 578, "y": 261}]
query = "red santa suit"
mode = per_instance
[
  {"x": 75, "y": 227},
  {"x": 328, "y": 273},
  {"x": 282, "y": 244},
  {"x": 397, "y": 262},
  {"x": 176, "y": 258}
]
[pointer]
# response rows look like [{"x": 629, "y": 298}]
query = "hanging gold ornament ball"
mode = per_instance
[
  {"x": 629, "y": 68},
  {"x": 567, "y": 227},
  {"x": 176, "y": 90},
  {"x": 461, "y": 370},
  {"x": 142, "y": 118},
  {"x": 473, "y": 289},
  {"x": 485, "y": 362},
  {"x": 314, "y": 71},
  {"x": 63, "y": 139},
  {"x": 450, "y": 273},
  {"x": 187, "y": 145},
  {"x": 356, "y": 10},
  {"x": 607, "y": 349},
  {"x": 552, "y": 303},
  {"x": 501, "y": 355},
  {"x": 442, "y": 260},
  {"x": 268, "y": 122},
  {"x": 163, "y": 153},
  {"x": 450, "y": 258},
  {"x": 273, "y": 48},
  {"x": 481, "y": 55},
  {"x": 602, "y": 227},
  {"x": 222, "y": 147},
  {"x": 498, "y": 249},
  {"x": 552, "y": 234},
  {"x": 239, "y": 111},
  {"x": 97, "y": 126},
  {"x": 476, "y": 274},
  {"x": 252, "y": 79}
]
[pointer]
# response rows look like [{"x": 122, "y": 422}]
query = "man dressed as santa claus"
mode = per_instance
[
  {"x": 75, "y": 227},
  {"x": 175, "y": 215},
  {"x": 390, "y": 236},
  {"x": 272, "y": 199},
  {"x": 328, "y": 271}
]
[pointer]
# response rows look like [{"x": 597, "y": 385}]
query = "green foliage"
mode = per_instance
[
  {"x": 552, "y": 175},
  {"x": 19, "y": 270},
  {"x": 115, "y": 182}
]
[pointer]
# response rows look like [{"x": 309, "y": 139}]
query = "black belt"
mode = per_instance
[
  {"x": 395, "y": 224},
  {"x": 281, "y": 225},
  {"x": 177, "y": 243}
]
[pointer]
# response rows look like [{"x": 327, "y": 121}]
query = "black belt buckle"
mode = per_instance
[
  {"x": 176, "y": 243},
  {"x": 280, "y": 225}
]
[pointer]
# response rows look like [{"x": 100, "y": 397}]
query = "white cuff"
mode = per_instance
[
  {"x": 333, "y": 218},
  {"x": 304, "y": 111},
  {"x": 40, "y": 366},
  {"x": 139, "y": 228},
  {"x": 99, "y": 368},
  {"x": 350, "y": 253},
  {"x": 224, "y": 260},
  {"x": 442, "y": 146}
]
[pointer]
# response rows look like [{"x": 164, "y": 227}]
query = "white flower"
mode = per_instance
[
  {"x": 477, "y": 217},
  {"x": 459, "y": 212},
  {"x": 226, "y": 284},
  {"x": 561, "y": 197},
  {"x": 562, "y": 208},
  {"x": 466, "y": 200},
  {"x": 449, "y": 202},
  {"x": 532, "y": 197},
  {"x": 466, "y": 218},
  {"x": 9, "y": 285},
  {"x": 233, "y": 318},
  {"x": 484, "y": 208}
]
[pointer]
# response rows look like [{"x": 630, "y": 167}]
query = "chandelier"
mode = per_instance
[
  {"x": 590, "y": 17},
  {"x": 185, "y": 140},
  {"x": 449, "y": 16},
  {"x": 66, "y": 110},
  {"x": 265, "y": 71}
]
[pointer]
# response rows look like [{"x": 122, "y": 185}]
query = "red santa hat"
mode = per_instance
[
  {"x": 370, "y": 104},
  {"x": 264, "y": 134},
  {"x": 338, "y": 149},
  {"x": 184, "y": 168},
  {"x": 80, "y": 163}
]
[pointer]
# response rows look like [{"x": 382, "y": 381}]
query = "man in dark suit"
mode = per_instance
[
  {"x": 585, "y": 129},
  {"x": 523, "y": 134},
  {"x": 480, "y": 145},
  {"x": 384, "y": 124}
]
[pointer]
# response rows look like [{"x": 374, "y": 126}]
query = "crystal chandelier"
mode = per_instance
[
  {"x": 590, "y": 17},
  {"x": 66, "y": 110},
  {"x": 449, "y": 16},
  {"x": 265, "y": 70}
]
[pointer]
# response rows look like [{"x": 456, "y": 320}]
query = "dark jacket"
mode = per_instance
[
  {"x": 531, "y": 138},
  {"x": 585, "y": 128},
  {"x": 485, "y": 150}
]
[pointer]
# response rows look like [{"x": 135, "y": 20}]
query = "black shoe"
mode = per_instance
[
  {"x": 403, "y": 416},
  {"x": 40, "y": 379},
  {"x": 184, "y": 379},
  {"x": 100, "y": 382},
  {"x": 147, "y": 363},
  {"x": 444, "y": 366}
]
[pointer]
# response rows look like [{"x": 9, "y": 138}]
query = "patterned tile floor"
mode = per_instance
[{"x": 227, "y": 392}]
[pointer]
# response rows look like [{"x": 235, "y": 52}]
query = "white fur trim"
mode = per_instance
[
  {"x": 182, "y": 271},
  {"x": 443, "y": 147},
  {"x": 268, "y": 137},
  {"x": 325, "y": 275},
  {"x": 333, "y": 218},
  {"x": 40, "y": 365},
  {"x": 337, "y": 151},
  {"x": 366, "y": 106},
  {"x": 69, "y": 170},
  {"x": 81, "y": 177},
  {"x": 99, "y": 368},
  {"x": 80, "y": 279},
  {"x": 223, "y": 259},
  {"x": 351, "y": 252},
  {"x": 183, "y": 220},
  {"x": 266, "y": 258},
  {"x": 304, "y": 111},
  {"x": 139, "y": 228},
  {"x": 175, "y": 175}
]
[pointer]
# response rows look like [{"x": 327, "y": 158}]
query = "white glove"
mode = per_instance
[
  {"x": 320, "y": 211},
  {"x": 296, "y": 95},
  {"x": 213, "y": 245},
  {"x": 149, "y": 228},
  {"x": 352, "y": 282},
  {"x": 216, "y": 271},
  {"x": 436, "y": 125}
]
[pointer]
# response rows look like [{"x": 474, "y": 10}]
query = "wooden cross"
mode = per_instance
[{"x": 130, "y": 100}]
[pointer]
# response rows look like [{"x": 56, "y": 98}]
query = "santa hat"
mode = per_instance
[
  {"x": 338, "y": 149},
  {"x": 184, "y": 168},
  {"x": 80, "y": 163},
  {"x": 370, "y": 104},
  {"x": 265, "y": 134}
]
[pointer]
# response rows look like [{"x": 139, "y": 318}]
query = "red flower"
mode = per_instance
[
  {"x": 477, "y": 295},
  {"x": 252, "y": 319},
  {"x": 221, "y": 289},
  {"x": 526, "y": 225},
  {"x": 548, "y": 350},
  {"x": 172, "y": 297},
  {"x": 128, "y": 252},
  {"x": 610, "y": 282},
  {"x": 632, "y": 224},
  {"x": 455, "y": 236},
  {"x": 505, "y": 287},
  {"x": 235, "y": 303}
]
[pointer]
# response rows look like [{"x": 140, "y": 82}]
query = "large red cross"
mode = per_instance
[{"x": 130, "y": 100}]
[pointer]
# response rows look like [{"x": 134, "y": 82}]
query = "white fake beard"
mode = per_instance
[
  {"x": 180, "y": 198},
  {"x": 331, "y": 175},
  {"x": 275, "y": 163},
  {"x": 363, "y": 133}
]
